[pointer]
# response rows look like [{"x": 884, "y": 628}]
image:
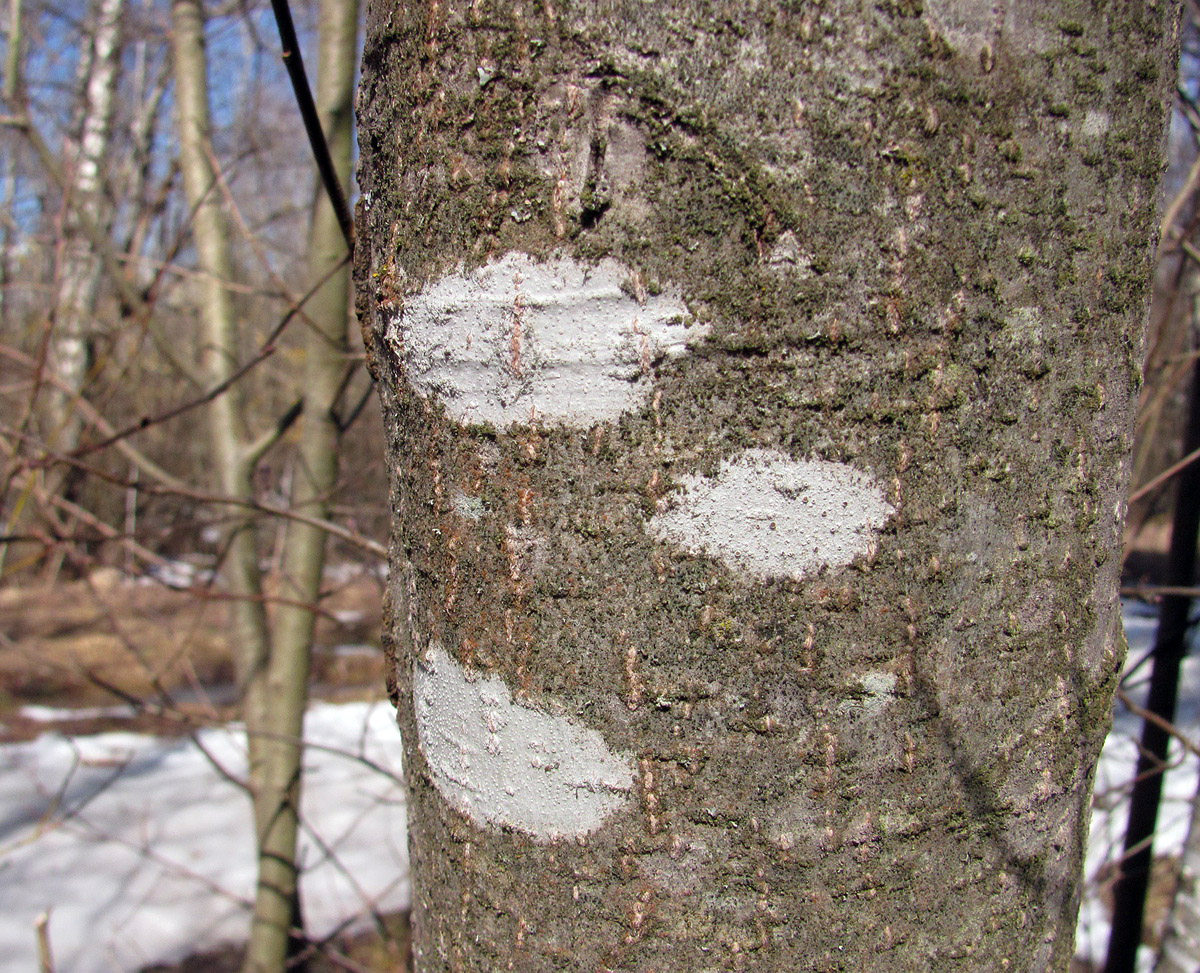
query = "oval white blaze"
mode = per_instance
[
  {"x": 502, "y": 763},
  {"x": 517, "y": 341},
  {"x": 771, "y": 516}
]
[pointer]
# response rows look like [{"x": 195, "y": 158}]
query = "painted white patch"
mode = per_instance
[
  {"x": 517, "y": 341},
  {"x": 966, "y": 24},
  {"x": 771, "y": 516},
  {"x": 466, "y": 506},
  {"x": 876, "y": 691},
  {"x": 1095, "y": 123},
  {"x": 502, "y": 763},
  {"x": 788, "y": 257},
  {"x": 880, "y": 689}
]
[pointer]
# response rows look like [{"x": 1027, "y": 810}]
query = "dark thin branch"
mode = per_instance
[
  {"x": 312, "y": 122},
  {"x": 1165, "y": 475},
  {"x": 1148, "y": 591},
  {"x": 265, "y": 351},
  {"x": 345, "y": 423}
]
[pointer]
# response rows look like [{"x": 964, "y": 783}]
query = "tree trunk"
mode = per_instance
[
  {"x": 1180, "y": 949},
  {"x": 80, "y": 268},
  {"x": 758, "y": 389},
  {"x": 219, "y": 359},
  {"x": 274, "y": 660},
  {"x": 232, "y": 458},
  {"x": 326, "y": 362}
]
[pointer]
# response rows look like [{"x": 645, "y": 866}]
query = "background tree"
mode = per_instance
[
  {"x": 273, "y": 655},
  {"x": 80, "y": 273},
  {"x": 757, "y": 386}
]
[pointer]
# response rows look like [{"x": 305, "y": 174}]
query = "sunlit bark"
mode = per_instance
[
  {"x": 80, "y": 269},
  {"x": 758, "y": 381},
  {"x": 325, "y": 367}
]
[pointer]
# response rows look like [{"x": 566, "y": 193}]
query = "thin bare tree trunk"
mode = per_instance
[
  {"x": 1180, "y": 950},
  {"x": 219, "y": 356},
  {"x": 80, "y": 272},
  {"x": 231, "y": 456},
  {"x": 325, "y": 366}
]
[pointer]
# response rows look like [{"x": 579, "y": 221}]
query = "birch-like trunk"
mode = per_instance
[
  {"x": 80, "y": 273},
  {"x": 758, "y": 381}
]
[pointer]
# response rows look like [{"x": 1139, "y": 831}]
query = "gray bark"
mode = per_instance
[
  {"x": 232, "y": 456},
  {"x": 273, "y": 655},
  {"x": 758, "y": 386}
]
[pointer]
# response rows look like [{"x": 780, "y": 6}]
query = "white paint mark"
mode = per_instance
[
  {"x": 966, "y": 24},
  {"x": 1095, "y": 124},
  {"x": 502, "y": 763},
  {"x": 517, "y": 341},
  {"x": 467, "y": 506},
  {"x": 772, "y": 516},
  {"x": 788, "y": 257},
  {"x": 880, "y": 690}
]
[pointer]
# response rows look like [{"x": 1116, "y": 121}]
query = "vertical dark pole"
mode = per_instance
[
  {"x": 1129, "y": 894},
  {"x": 312, "y": 123}
]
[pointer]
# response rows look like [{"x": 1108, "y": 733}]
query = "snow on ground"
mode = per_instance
[
  {"x": 1114, "y": 776},
  {"x": 141, "y": 849}
]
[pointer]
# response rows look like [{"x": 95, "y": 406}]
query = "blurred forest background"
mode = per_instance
[
  {"x": 108, "y": 467},
  {"x": 159, "y": 465}
]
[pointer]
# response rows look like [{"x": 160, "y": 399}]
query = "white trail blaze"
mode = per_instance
[
  {"x": 771, "y": 516},
  {"x": 502, "y": 763},
  {"x": 516, "y": 341}
]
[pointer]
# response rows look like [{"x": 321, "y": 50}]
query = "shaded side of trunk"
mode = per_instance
[{"x": 758, "y": 388}]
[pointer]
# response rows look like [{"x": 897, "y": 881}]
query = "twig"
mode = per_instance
[
  {"x": 265, "y": 351},
  {"x": 1159, "y": 590},
  {"x": 1166, "y": 726},
  {"x": 1165, "y": 475},
  {"x": 312, "y": 122},
  {"x": 45, "y": 957},
  {"x": 95, "y": 418}
]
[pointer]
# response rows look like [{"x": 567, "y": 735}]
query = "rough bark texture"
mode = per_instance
[{"x": 907, "y": 242}]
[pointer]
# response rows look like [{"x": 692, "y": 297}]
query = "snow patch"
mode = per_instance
[
  {"x": 502, "y": 763},
  {"x": 517, "y": 341},
  {"x": 771, "y": 516},
  {"x": 142, "y": 850},
  {"x": 61, "y": 714}
]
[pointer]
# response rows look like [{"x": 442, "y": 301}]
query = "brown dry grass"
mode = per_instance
[{"x": 107, "y": 640}]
